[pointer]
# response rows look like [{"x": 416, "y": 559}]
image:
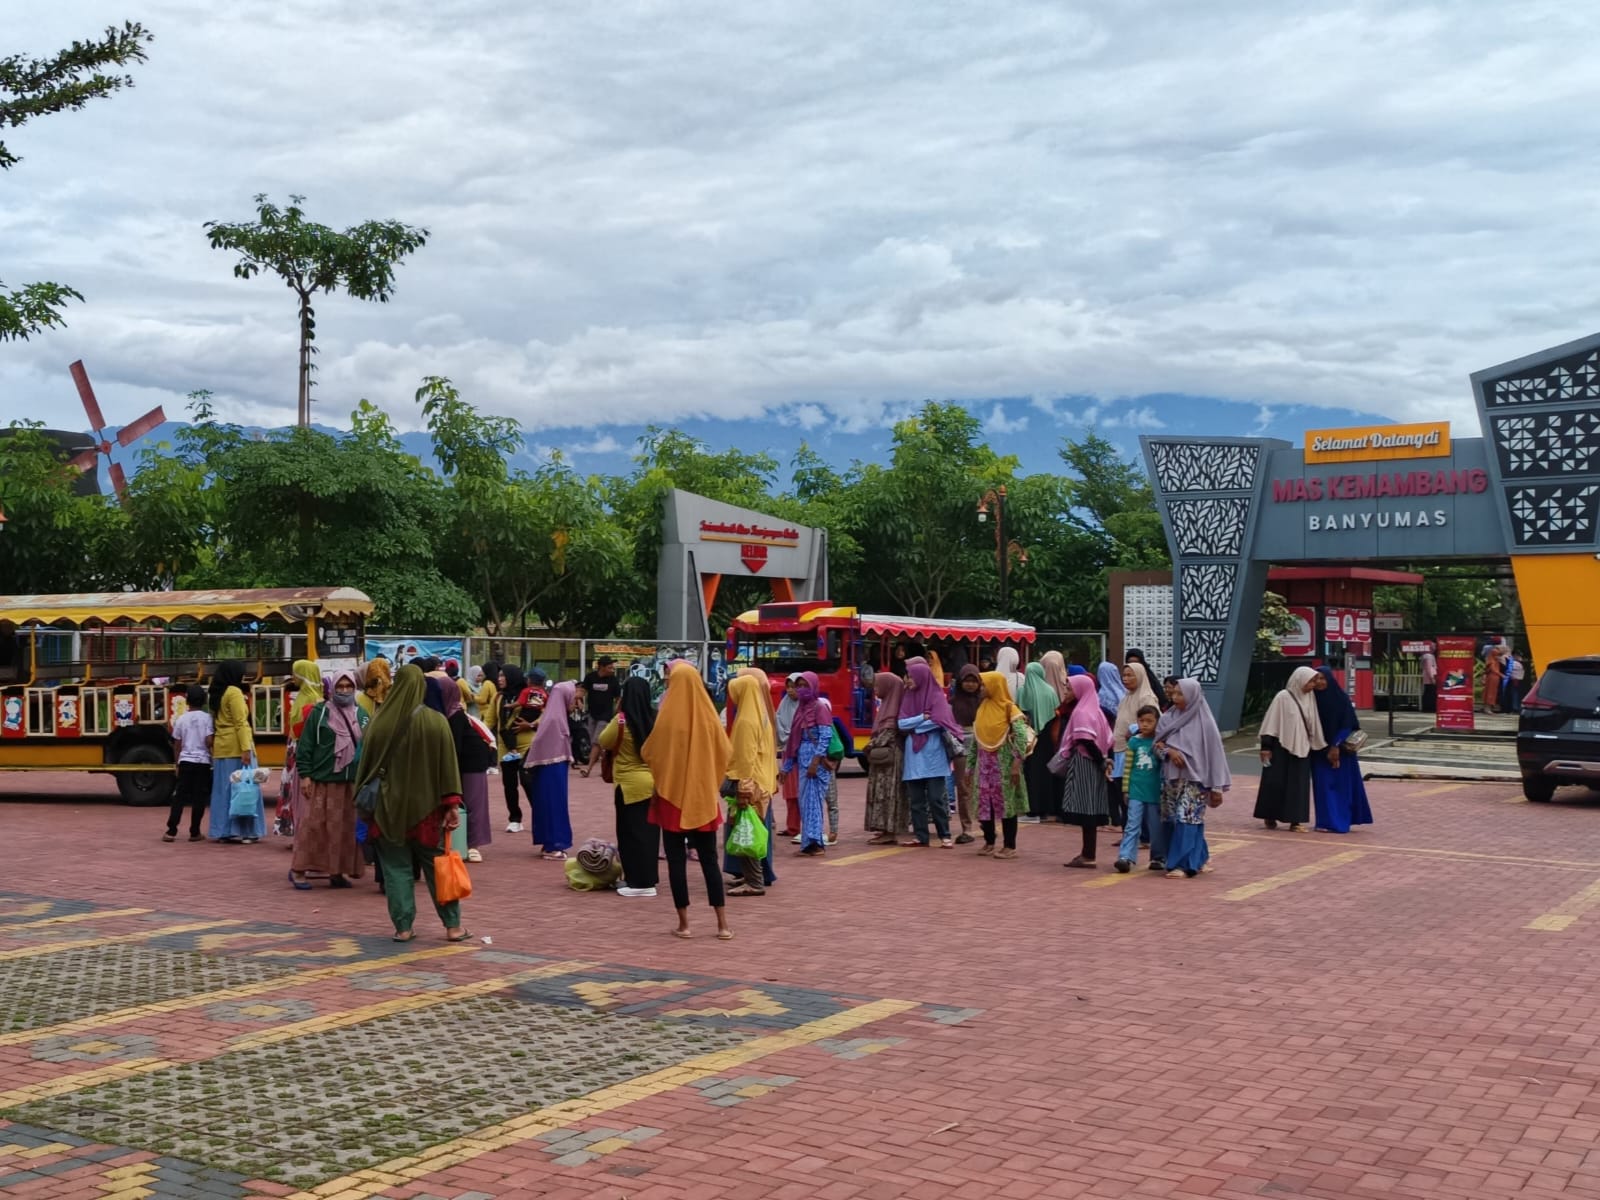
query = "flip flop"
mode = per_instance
[
  {"x": 299, "y": 885},
  {"x": 724, "y": 935},
  {"x": 466, "y": 936},
  {"x": 407, "y": 936},
  {"x": 682, "y": 933},
  {"x": 1079, "y": 864}
]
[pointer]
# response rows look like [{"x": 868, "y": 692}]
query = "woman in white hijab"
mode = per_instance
[
  {"x": 1290, "y": 733},
  {"x": 1005, "y": 662}
]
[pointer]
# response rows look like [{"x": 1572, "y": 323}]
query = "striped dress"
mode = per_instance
[{"x": 1083, "y": 796}]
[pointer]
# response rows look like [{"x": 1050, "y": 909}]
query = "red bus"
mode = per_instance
[{"x": 835, "y": 642}]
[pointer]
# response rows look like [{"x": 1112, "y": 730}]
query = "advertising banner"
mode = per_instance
[
  {"x": 1457, "y": 660},
  {"x": 1301, "y": 641},
  {"x": 648, "y": 660},
  {"x": 400, "y": 651}
]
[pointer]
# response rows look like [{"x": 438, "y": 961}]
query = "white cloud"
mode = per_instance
[
  {"x": 999, "y": 425},
  {"x": 602, "y": 443},
  {"x": 1142, "y": 417},
  {"x": 653, "y": 213}
]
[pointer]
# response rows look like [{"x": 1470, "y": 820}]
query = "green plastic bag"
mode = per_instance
[
  {"x": 748, "y": 837},
  {"x": 835, "y": 744}
]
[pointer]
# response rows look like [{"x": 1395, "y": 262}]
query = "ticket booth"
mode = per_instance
[{"x": 1334, "y": 608}]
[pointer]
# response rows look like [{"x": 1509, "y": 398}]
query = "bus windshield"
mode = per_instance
[{"x": 785, "y": 653}]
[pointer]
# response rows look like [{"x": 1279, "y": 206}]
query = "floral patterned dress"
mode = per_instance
[{"x": 1001, "y": 789}]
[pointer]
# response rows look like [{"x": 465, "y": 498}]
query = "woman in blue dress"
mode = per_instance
[
  {"x": 810, "y": 731},
  {"x": 1341, "y": 797}
]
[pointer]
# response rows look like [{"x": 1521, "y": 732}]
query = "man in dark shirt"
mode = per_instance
[{"x": 600, "y": 687}]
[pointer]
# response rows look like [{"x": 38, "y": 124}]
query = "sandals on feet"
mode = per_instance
[
  {"x": 724, "y": 935},
  {"x": 945, "y": 843},
  {"x": 405, "y": 935},
  {"x": 683, "y": 933},
  {"x": 1081, "y": 864},
  {"x": 300, "y": 885},
  {"x": 464, "y": 936}
]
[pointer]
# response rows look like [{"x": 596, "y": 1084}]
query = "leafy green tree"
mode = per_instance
[
  {"x": 55, "y": 539},
  {"x": 36, "y": 87},
  {"x": 1114, "y": 496},
  {"x": 924, "y": 552},
  {"x": 1276, "y": 621},
  {"x": 312, "y": 258}
]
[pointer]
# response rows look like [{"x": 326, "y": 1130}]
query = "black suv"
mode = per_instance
[{"x": 1558, "y": 737}]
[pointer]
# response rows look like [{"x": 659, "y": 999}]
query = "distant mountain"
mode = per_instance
[{"x": 1032, "y": 430}]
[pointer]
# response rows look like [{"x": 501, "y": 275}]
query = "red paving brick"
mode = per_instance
[{"x": 1386, "y": 1028}]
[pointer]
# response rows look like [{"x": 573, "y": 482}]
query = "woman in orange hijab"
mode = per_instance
[{"x": 688, "y": 753}]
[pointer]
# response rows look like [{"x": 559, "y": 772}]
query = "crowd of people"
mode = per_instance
[{"x": 390, "y": 769}]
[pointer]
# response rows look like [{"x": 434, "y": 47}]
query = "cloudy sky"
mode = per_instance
[{"x": 776, "y": 221}]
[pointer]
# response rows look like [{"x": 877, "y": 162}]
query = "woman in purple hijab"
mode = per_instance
[
  {"x": 1194, "y": 776},
  {"x": 925, "y": 722}
]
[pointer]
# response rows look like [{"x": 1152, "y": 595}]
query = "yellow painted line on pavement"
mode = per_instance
[
  {"x": 239, "y": 992},
  {"x": 1439, "y": 791},
  {"x": 370, "y": 1182},
  {"x": 82, "y": 1079},
  {"x": 1283, "y": 879},
  {"x": 1465, "y": 855},
  {"x": 75, "y": 918},
  {"x": 864, "y": 856},
  {"x": 117, "y": 940},
  {"x": 1568, "y": 911},
  {"x": 1221, "y": 847},
  {"x": 282, "y": 1033}
]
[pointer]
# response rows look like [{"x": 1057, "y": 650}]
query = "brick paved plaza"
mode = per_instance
[{"x": 1409, "y": 1011}]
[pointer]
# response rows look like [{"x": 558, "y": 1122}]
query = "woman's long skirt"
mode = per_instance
[
  {"x": 1285, "y": 790},
  {"x": 325, "y": 830},
  {"x": 1340, "y": 794},
  {"x": 219, "y": 823},
  {"x": 552, "y": 826},
  {"x": 475, "y": 799},
  {"x": 1183, "y": 815},
  {"x": 1044, "y": 789},
  {"x": 1084, "y": 800},
  {"x": 888, "y": 809}
]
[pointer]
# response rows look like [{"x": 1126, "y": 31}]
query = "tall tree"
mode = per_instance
[
  {"x": 1114, "y": 495},
  {"x": 55, "y": 539},
  {"x": 37, "y": 87},
  {"x": 312, "y": 258}
]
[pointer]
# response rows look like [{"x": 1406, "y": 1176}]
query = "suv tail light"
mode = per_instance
[{"x": 1536, "y": 701}]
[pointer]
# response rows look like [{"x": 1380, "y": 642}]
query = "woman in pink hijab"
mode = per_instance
[{"x": 1084, "y": 764}]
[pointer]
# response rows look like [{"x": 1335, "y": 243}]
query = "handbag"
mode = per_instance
[
  {"x": 608, "y": 766},
  {"x": 369, "y": 793},
  {"x": 450, "y": 879},
  {"x": 244, "y": 793},
  {"x": 1356, "y": 742},
  {"x": 748, "y": 837}
]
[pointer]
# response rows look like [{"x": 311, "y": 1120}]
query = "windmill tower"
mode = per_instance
[{"x": 126, "y": 436}]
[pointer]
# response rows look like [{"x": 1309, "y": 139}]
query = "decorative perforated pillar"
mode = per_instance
[
  {"x": 1541, "y": 417},
  {"x": 1209, "y": 493}
]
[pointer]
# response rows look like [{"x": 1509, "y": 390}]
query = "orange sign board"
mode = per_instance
[{"x": 1367, "y": 443}]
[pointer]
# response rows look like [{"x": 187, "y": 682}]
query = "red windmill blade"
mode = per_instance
[{"x": 126, "y": 436}]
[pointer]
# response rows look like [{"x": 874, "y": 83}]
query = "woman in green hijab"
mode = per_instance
[
  {"x": 1038, "y": 701},
  {"x": 419, "y": 800}
]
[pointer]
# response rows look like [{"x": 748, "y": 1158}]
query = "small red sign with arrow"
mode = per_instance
[{"x": 754, "y": 557}]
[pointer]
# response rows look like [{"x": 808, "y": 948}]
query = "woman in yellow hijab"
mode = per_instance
[
  {"x": 1001, "y": 739},
  {"x": 307, "y": 680},
  {"x": 688, "y": 754},
  {"x": 376, "y": 678},
  {"x": 753, "y": 770}
]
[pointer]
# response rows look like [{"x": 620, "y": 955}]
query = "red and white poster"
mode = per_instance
[
  {"x": 1457, "y": 659},
  {"x": 1301, "y": 641}
]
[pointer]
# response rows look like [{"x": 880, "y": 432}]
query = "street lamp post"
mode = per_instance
[{"x": 995, "y": 500}]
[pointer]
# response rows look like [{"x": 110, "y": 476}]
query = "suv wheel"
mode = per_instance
[{"x": 1538, "y": 789}]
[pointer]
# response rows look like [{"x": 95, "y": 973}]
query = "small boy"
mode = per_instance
[
  {"x": 192, "y": 735},
  {"x": 1144, "y": 796}
]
